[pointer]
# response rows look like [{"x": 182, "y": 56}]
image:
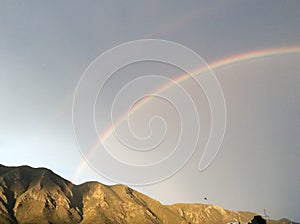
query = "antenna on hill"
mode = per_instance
[{"x": 266, "y": 217}]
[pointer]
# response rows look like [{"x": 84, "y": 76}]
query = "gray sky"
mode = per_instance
[{"x": 45, "y": 46}]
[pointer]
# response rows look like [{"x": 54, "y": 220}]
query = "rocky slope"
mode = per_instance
[{"x": 37, "y": 195}]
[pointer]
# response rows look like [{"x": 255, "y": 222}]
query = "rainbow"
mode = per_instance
[{"x": 214, "y": 65}]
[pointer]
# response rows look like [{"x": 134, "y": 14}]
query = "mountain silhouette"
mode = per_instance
[{"x": 38, "y": 195}]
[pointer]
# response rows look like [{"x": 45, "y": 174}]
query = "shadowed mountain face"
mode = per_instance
[{"x": 37, "y": 195}]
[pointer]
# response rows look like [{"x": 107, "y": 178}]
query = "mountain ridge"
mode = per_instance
[{"x": 38, "y": 195}]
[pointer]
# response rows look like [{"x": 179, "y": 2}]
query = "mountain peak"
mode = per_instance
[{"x": 38, "y": 195}]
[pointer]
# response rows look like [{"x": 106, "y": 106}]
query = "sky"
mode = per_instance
[{"x": 252, "y": 47}]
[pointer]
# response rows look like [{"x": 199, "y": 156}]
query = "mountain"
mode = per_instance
[{"x": 37, "y": 195}]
